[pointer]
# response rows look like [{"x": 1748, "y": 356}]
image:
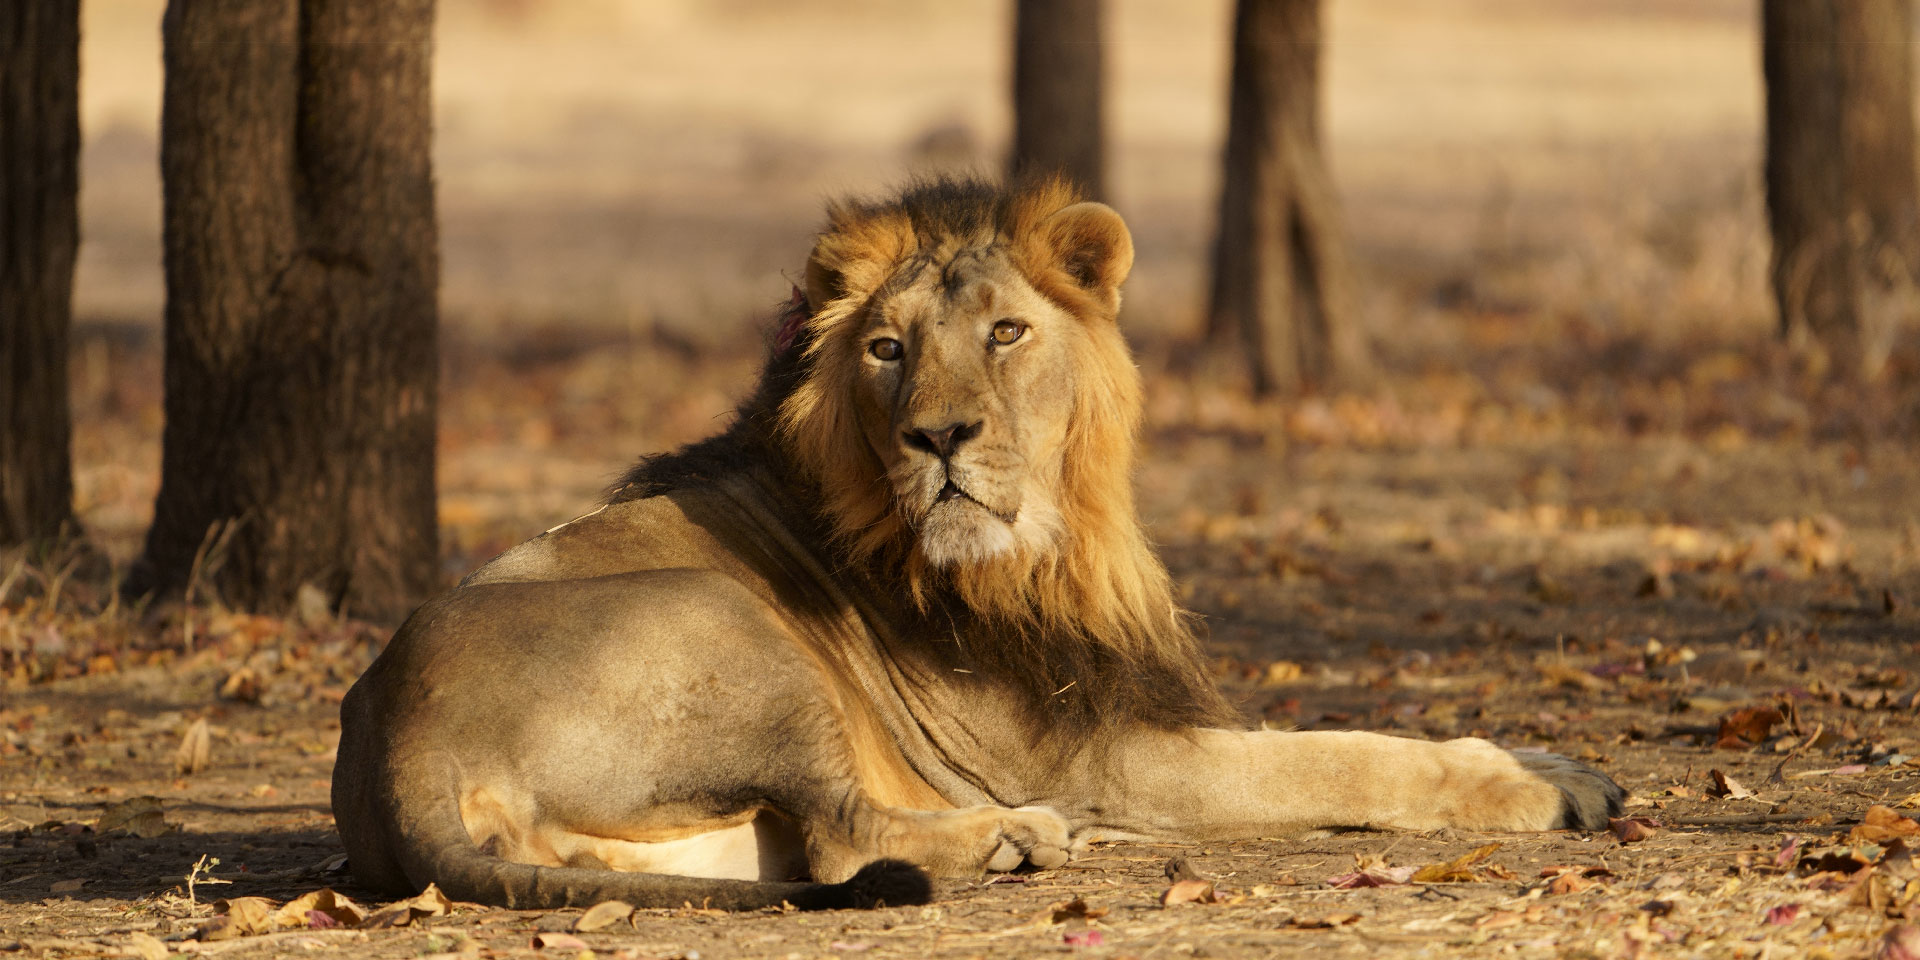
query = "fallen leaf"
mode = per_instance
[
  {"x": 1633, "y": 829},
  {"x": 1457, "y": 870},
  {"x": 66, "y": 886},
  {"x": 1747, "y": 727},
  {"x": 333, "y": 910},
  {"x": 237, "y": 917},
  {"x": 1574, "y": 678},
  {"x": 1842, "y": 861},
  {"x": 1898, "y": 860},
  {"x": 1789, "y": 851},
  {"x": 1189, "y": 891},
  {"x": 603, "y": 914},
  {"x": 242, "y": 685},
  {"x": 1872, "y": 891},
  {"x": 557, "y": 941},
  {"x": 1900, "y": 943},
  {"x": 1881, "y": 824},
  {"x": 1075, "y": 909},
  {"x": 196, "y": 748},
  {"x": 1577, "y": 869},
  {"x": 146, "y": 946},
  {"x": 1083, "y": 938},
  {"x": 1499, "y": 919},
  {"x": 1373, "y": 877},
  {"x": 1571, "y": 879},
  {"x": 1848, "y": 770},
  {"x": 1783, "y": 914},
  {"x": 1323, "y": 922},
  {"x": 1280, "y": 673},
  {"x": 430, "y": 903},
  {"x": 1727, "y": 788}
]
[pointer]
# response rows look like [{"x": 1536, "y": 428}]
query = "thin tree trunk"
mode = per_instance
[
  {"x": 1282, "y": 288},
  {"x": 302, "y": 261},
  {"x": 1843, "y": 201},
  {"x": 39, "y": 236},
  {"x": 1057, "y": 81}
]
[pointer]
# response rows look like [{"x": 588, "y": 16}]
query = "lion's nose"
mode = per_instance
[{"x": 942, "y": 441}]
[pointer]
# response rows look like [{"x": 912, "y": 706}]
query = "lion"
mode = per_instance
[{"x": 899, "y": 620}]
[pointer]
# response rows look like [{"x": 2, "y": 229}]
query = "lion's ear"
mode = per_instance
[
  {"x": 1091, "y": 244},
  {"x": 854, "y": 254},
  {"x": 824, "y": 283}
]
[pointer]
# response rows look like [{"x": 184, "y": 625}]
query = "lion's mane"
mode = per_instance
[{"x": 1087, "y": 627}]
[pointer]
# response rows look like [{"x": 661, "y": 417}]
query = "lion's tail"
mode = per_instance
[{"x": 434, "y": 847}]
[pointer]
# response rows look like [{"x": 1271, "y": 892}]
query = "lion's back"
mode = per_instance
[{"x": 675, "y": 531}]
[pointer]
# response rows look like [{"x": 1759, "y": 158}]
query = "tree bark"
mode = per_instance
[
  {"x": 1843, "y": 201},
  {"x": 302, "y": 263},
  {"x": 1282, "y": 288},
  {"x": 1057, "y": 81},
  {"x": 39, "y": 236}
]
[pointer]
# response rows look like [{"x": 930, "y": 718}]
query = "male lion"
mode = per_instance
[{"x": 900, "y": 616}]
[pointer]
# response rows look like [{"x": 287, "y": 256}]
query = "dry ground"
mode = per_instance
[
  {"x": 1632, "y": 568},
  {"x": 1587, "y": 507}
]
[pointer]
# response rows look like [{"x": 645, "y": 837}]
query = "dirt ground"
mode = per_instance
[
  {"x": 1587, "y": 505},
  {"x": 1670, "y": 573}
]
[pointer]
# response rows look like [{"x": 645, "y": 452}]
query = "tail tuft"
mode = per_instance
[{"x": 882, "y": 883}]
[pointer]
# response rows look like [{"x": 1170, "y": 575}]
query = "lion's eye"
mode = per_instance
[
  {"x": 885, "y": 348},
  {"x": 1007, "y": 331}
]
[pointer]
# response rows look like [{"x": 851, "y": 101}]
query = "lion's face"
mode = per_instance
[
  {"x": 963, "y": 393},
  {"x": 968, "y": 394}
]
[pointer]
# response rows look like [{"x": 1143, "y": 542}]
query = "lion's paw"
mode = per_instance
[
  {"x": 1035, "y": 835},
  {"x": 1587, "y": 796}
]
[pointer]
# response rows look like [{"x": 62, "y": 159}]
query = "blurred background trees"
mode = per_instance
[
  {"x": 1841, "y": 188},
  {"x": 1059, "y": 87},
  {"x": 1282, "y": 292},
  {"x": 636, "y": 176},
  {"x": 302, "y": 266},
  {"x": 39, "y": 235}
]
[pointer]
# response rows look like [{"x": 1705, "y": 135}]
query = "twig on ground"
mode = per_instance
[{"x": 1738, "y": 821}]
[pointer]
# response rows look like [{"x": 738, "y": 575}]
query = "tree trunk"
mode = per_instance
[
  {"x": 302, "y": 262},
  {"x": 1282, "y": 287},
  {"x": 1843, "y": 200},
  {"x": 39, "y": 235},
  {"x": 1057, "y": 127}
]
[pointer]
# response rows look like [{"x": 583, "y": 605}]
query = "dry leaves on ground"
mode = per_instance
[
  {"x": 321, "y": 909},
  {"x": 196, "y": 748},
  {"x": 1460, "y": 869},
  {"x": 1882, "y": 824},
  {"x": 1370, "y": 871},
  {"x": 1564, "y": 880},
  {"x": 1727, "y": 788},
  {"x": 1748, "y": 727},
  {"x": 603, "y": 914},
  {"x": 1633, "y": 829}
]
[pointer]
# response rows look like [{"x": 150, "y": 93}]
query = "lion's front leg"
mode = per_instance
[{"x": 1217, "y": 784}]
